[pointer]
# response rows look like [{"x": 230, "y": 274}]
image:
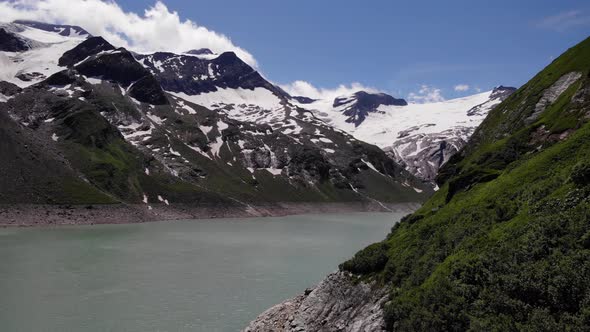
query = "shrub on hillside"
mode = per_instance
[
  {"x": 581, "y": 173},
  {"x": 371, "y": 259}
]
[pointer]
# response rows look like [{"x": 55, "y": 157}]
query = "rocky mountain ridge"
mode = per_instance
[{"x": 166, "y": 129}]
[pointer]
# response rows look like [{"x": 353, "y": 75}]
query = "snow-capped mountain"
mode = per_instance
[
  {"x": 157, "y": 129},
  {"x": 30, "y": 55},
  {"x": 357, "y": 107},
  {"x": 421, "y": 137}
]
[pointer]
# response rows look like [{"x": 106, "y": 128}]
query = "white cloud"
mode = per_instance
[
  {"x": 158, "y": 29},
  {"x": 461, "y": 87},
  {"x": 426, "y": 94},
  {"x": 306, "y": 89},
  {"x": 564, "y": 20}
]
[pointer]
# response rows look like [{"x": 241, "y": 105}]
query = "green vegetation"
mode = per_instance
[
  {"x": 581, "y": 173},
  {"x": 110, "y": 168},
  {"x": 74, "y": 191},
  {"x": 504, "y": 245}
]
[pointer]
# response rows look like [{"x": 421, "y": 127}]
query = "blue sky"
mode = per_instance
[{"x": 395, "y": 46}]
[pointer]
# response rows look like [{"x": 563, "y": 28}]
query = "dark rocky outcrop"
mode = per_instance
[
  {"x": 62, "y": 78},
  {"x": 9, "y": 42},
  {"x": 148, "y": 90},
  {"x": 87, "y": 48},
  {"x": 9, "y": 89},
  {"x": 502, "y": 92},
  {"x": 119, "y": 67},
  {"x": 193, "y": 75},
  {"x": 362, "y": 103}
]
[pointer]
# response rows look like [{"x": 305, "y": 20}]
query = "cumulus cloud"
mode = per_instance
[
  {"x": 157, "y": 29},
  {"x": 565, "y": 20},
  {"x": 461, "y": 87},
  {"x": 306, "y": 89},
  {"x": 426, "y": 94}
]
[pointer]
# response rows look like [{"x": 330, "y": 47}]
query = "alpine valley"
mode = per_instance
[
  {"x": 134, "y": 136},
  {"x": 497, "y": 183},
  {"x": 102, "y": 134}
]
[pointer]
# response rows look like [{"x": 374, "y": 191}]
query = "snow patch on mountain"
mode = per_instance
[
  {"x": 41, "y": 61},
  {"x": 419, "y": 136},
  {"x": 258, "y": 105},
  {"x": 259, "y": 96}
]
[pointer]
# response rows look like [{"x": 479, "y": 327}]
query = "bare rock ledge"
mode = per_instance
[{"x": 338, "y": 303}]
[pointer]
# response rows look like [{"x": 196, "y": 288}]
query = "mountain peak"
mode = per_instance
[
  {"x": 501, "y": 92},
  {"x": 229, "y": 57},
  {"x": 89, "y": 47}
]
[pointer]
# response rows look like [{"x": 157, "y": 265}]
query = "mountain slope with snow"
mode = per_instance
[
  {"x": 37, "y": 56},
  {"x": 196, "y": 129},
  {"x": 421, "y": 137}
]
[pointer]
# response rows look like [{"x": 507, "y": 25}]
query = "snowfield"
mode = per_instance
[
  {"x": 390, "y": 123},
  {"x": 40, "y": 59},
  {"x": 420, "y": 137}
]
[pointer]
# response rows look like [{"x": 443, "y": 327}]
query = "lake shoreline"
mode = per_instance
[{"x": 27, "y": 215}]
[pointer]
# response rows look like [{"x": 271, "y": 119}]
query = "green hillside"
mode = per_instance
[{"x": 504, "y": 244}]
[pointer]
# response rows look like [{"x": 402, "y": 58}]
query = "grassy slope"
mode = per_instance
[
  {"x": 32, "y": 173},
  {"x": 505, "y": 243}
]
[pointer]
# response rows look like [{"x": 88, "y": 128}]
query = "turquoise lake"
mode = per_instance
[{"x": 198, "y": 275}]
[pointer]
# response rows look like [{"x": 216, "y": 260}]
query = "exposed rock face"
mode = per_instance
[
  {"x": 550, "y": 95},
  {"x": 116, "y": 65},
  {"x": 148, "y": 90},
  {"x": 337, "y": 303},
  {"x": 119, "y": 66},
  {"x": 9, "y": 89},
  {"x": 9, "y": 42},
  {"x": 194, "y": 75},
  {"x": 360, "y": 104},
  {"x": 89, "y": 47},
  {"x": 423, "y": 154}
]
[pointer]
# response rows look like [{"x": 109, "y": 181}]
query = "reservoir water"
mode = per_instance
[{"x": 201, "y": 275}]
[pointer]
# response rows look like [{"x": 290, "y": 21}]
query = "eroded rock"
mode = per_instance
[{"x": 338, "y": 303}]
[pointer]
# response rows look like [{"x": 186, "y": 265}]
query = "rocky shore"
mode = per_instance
[
  {"x": 46, "y": 215},
  {"x": 338, "y": 303}
]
